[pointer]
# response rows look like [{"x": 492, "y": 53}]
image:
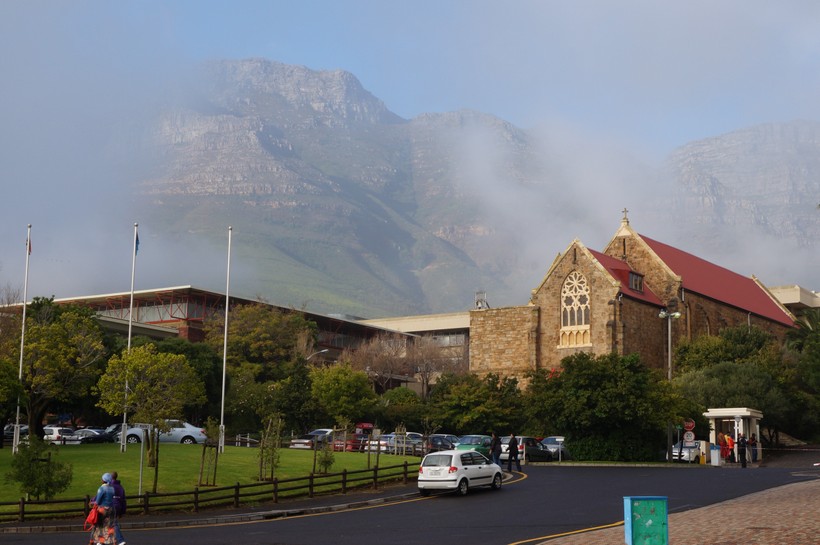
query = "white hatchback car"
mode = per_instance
[{"x": 457, "y": 470}]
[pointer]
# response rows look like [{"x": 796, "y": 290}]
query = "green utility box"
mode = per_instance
[{"x": 646, "y": 520}]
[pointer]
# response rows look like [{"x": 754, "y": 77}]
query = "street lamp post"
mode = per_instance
[
  {"x": 317, "y": 353},
  {"x": 664, "y": 313}
]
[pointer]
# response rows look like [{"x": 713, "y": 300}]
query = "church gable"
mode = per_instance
[
  {"x": 628, "y": 247},
  {"x": 574, "y": 306}
]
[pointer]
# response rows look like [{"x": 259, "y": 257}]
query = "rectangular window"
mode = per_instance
[{"x": 636, "y": 281}]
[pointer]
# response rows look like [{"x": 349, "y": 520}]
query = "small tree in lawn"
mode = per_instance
[
  {"x": 160, "y": 385},
  {"x": 37, "y": 470},
  {"x": 269, "y": 447}
]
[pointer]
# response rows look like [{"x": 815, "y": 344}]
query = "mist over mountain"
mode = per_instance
[{"x": 340, "y": 206}]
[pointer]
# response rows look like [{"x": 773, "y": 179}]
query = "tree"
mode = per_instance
[
  {"x": 266, "y": 345},
  {"x": 62, "y": 358},
  {"x": 807, "y": 328},
  {"x": 609, "y": 407},
  {"x": 160, "y": 386},
  {"x": 744, "y": 366},
  {"x": 401, "y": 406},
  {"x": 732, "y": 344},
  {"x": 38, "y": 471},
  {"x": 341, "y": 392},
  {"x": 266, "y": 339},
  {"x": 206, "y": 363},
  {"x": 289, "y": 399},
  {"x": 429, "y": 360},
  {"x": 472, "y": 404},
  {"x": 383, "y": 358}
]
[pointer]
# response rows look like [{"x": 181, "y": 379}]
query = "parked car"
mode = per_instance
[
  {"x": 8, "y": 431},
  {"x": 318, "y": 438},
  {"x": 478, "y": 443},
  {"x": 457, "y": 470},
  {"x": 56, "y": 434},
  {"x": 449, "y": 436},
  {"x": 180, "y": 432},
  {"x": 89, "y": 435},
  {"x": 353, "y": 442},
  {"x": 435, "y": 443},
  {"x": 685, "y": 454},
  {"x": 396, "y": 443},
  {"x": 529, "y": 448},
  {"x": 557, "y": 447}
]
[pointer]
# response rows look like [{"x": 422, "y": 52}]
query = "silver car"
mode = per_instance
[
  {"x": 681, "y": 453},
  {"x": 180, "y": 432},
  {"x": 556, "y": 445},
  {"x": 457, "y": 470}
]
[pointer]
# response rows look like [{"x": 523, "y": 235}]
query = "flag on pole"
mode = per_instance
[
  {"x": 28, "y": 245},
  {"x": 137, "y": 244}
]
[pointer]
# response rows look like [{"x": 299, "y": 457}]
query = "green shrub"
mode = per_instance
[{"x": 37, "y": 471}]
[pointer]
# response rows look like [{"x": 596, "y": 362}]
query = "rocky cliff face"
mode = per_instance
[
  {"x": 343, "y": 206},
  {"x": 763, "y": 178}
]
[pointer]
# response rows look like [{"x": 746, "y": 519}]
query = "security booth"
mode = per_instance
[{"x": 733, "y": 421}]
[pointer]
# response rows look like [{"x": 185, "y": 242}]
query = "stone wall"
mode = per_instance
[{"x": 502, "y": 340}]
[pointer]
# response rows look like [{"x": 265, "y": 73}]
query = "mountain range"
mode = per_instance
[{"x": 341, "y": 206}]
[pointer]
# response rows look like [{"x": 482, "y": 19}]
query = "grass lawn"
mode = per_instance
[{"x": 179, "y": 467}]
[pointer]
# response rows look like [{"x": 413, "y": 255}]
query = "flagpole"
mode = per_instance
[
  {"x": 15, "y": 446},
  {"x": 225, "y": 347},
  {"x": 130, "y": 322}
]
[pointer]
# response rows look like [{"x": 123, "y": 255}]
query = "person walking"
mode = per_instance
[
  {"x": 119, "y": 506},
  {"x": 512, "y": 453},
  {"x": 495, "y": 449},
  {"x": 103, "y": 531}
]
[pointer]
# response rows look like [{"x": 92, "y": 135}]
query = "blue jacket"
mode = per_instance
[{"x": 105, "y": 496}]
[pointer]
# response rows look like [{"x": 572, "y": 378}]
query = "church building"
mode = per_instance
[{"x": 638, "y": 295}]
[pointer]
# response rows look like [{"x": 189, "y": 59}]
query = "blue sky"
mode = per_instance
[{"x": 647, "y": 75}]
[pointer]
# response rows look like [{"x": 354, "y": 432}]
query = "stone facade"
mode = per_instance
[
  {"x": 507, "y": 344},
  {"x": 625, "y": 288}
]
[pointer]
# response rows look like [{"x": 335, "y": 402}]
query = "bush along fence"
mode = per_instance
[{"x": 208, "y": 497}]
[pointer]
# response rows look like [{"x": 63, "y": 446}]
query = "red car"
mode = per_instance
[{"x": 352, "y": 443}]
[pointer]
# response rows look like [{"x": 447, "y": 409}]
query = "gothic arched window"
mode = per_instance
[{"x": 574, "y": 311}]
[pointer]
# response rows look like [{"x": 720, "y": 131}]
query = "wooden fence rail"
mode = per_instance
[{"x": 235, "y": 495}]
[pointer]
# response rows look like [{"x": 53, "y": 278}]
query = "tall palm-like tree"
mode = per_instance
[{"x": 808, "y": 326}]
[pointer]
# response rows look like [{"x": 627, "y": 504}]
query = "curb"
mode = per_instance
[{"x": 218, "y": 519}]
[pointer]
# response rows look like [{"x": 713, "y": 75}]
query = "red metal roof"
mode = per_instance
[
  {"x": 620, "y": 271},
  {"x": 700, "y": 276}
]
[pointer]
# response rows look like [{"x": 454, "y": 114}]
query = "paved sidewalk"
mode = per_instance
[{"x": 786, "y": 515}]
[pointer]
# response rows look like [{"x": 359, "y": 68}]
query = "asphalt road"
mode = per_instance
[{"x": 541, "y": 502}]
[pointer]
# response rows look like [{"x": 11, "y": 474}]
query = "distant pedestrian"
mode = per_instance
[
  {"x": 753, "y": 447},
  {"x": 730, "y": 446},
  {"x": 495, "y": 449},
  {"x": 119, "y": 506},
  {"x": 512, "y": 453},
  {"x": 742, "y": 449}
]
